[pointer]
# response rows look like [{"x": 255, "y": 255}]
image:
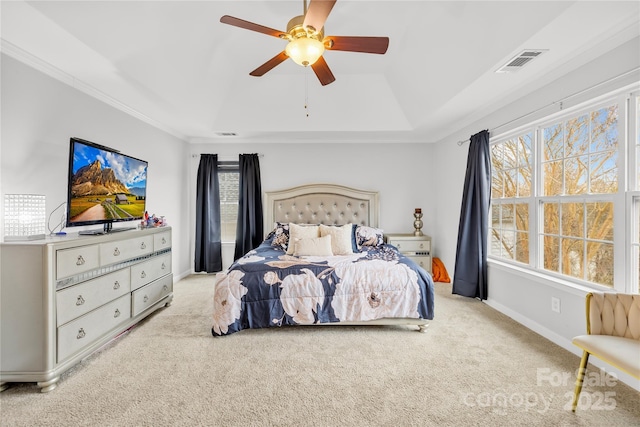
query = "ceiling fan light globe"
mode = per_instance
[{"x": 304, "y": 51}]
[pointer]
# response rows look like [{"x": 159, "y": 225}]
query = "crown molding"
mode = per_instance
[{"x": 50, "y": 70}]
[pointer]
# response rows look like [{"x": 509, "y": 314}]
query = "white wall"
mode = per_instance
[
  {"x": 524, "y": 296},
  {"x": 39, "y": 114},
  {"x": 401, "y": 173}
]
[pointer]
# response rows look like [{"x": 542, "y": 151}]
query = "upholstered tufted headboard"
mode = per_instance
[{"x": 321, "y": 204}]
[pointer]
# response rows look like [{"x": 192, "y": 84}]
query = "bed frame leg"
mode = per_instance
[{"x": 423, "y": 328}]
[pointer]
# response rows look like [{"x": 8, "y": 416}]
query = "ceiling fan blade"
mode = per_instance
[
  {"x": 237, "y": 22},
  {"x": 317, "y": 13},
  {"x": 269, "y": 65},
  {"x": 323, "y": 72},
  {"x": 357, "y": 44}
]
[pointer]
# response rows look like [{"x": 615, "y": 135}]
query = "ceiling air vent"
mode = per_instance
[
  {"x": 226, "y": 133},
  {"x": 520, "y": 60}
]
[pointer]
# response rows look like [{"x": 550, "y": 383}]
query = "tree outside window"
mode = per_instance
[
  {"x": 511, "y": 190},
  {"x": 228, "y": 181},
  {"x": 580, "y": 159}
]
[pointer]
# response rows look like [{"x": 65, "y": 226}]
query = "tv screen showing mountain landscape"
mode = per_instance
[{"x": 104, "y": 185}]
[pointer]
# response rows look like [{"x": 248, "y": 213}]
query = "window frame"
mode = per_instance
[
  {"x": 626, "y": 203},
  {"x": 633, "y": 247},
  {"x": 633, "y": 197},
  {"x": 515, "y": 200},
  {"x": 225, "y": 167}
]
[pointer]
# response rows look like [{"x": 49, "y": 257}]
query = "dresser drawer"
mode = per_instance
[
  {"x": 85, "y": 330},
  {"x": 114, "y": 252},
  {"x": 80, "y": 299},
  {"x": 70, "y": 262},
  {"x": 161, "y": 241},
  {"x": 422, "y": 261},
  {"x": 148, "y": 295},
  {"x": 411, "y": 245},
  {"x": 150, "y": 270}
]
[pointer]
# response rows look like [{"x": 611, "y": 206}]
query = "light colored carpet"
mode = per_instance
[{"x": 474, "y": 366}]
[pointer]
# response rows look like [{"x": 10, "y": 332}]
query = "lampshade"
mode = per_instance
[
  {"x": 24, "y": 216},
  {"x": 304, "y": 50}
]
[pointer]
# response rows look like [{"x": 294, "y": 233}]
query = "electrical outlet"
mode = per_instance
[{"x": 555, "y": 304}]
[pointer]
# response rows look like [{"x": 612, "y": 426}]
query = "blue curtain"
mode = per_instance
[
  {"x": 249, "y": 231},
  {"x": 470, "y": 275},
  {"x": 208, "y": 240}
]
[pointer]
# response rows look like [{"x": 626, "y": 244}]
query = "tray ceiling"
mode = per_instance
[{"x": 175, "y": 65}]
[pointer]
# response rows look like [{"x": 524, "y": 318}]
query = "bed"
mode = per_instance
[{"x": 324, "y": 262}]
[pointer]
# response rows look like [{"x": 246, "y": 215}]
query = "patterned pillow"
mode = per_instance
[
  {"x": 280, "y": 235},
  {"x": 369, "y": 236}
]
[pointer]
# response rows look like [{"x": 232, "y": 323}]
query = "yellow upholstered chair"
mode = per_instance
[{"x": 613, "y": 334}]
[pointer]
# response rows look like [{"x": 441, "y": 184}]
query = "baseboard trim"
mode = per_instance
[
  {"x": 562, "y": 342},
  {"x": 178, "y": 277}
]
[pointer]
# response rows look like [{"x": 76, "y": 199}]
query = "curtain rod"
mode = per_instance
[
  {"x": 196, "y": 155},
  {"x": 460, "y": 143}
]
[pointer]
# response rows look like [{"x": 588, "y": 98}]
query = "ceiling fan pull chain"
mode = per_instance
[{"x": 306, "y": 93}]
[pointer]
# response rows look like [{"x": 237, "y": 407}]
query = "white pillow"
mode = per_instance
[
  {"x": 340, "y": 238},
  {"x": 313, "y": 246},
  {"x": 301, "y": 232}
]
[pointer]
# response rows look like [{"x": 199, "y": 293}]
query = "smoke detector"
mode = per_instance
[{"x": 520, "y": 60}]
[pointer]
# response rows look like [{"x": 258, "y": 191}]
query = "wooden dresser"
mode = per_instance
[
  {"x": 418, "y": 248},
  {"x": 65, "y": 297}
]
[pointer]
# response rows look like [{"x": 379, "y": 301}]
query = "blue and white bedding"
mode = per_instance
[{"x": 268, "y": 288}]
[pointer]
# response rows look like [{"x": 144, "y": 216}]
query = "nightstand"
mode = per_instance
[{"x": 418, "y": 248}]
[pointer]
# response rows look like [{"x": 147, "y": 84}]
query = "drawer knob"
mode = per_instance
[
  {"x": 81, "y": 334},
  {"x": 164, "y": 241},
  {"x": 116, "y": 252},
  {"x": 399, "y": 246},
  {"x": 116, "y": 285},
  {"x": 165, "y": 288},
  {"x": 80, "y": 260},
  {"x": 116, "y": 313},
  {"x": 143, "y": 246},
  {"x": 80, "y": 300},
  {"x": 421, "y": 245},
  {"x": 143, "y": 274},
  {"x": 421, "y": 264},
  {"x": 145, "y": 299},
  {"x": 163, "y": 266}
]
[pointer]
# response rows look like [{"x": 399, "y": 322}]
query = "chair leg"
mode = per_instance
[{"x": 579, "y": 380}]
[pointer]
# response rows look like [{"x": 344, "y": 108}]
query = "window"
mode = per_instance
[
  {"x": 635, "y": 245},
  {"x": 511, "y": 184},
  {"x": 637, "y": 165},
  {"x": 579, "y": 158},
  {"x": 580, "y": 154},
  {"x": 635, "y": 203},
  {"x": 228, "y": 181},
  {"x": 559, "y": 196},
  {"x": 577, "y": 240}
]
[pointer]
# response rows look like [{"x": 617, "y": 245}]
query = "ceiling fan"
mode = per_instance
[{"x": 307, "y": 41}]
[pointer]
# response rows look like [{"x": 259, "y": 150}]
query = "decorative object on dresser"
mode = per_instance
[
  {"x": 24, "y": 216},
  {"x": 418, "y": 248},
  {"x": 65, "y": 297},
  {"x": 417, "y": 223}
]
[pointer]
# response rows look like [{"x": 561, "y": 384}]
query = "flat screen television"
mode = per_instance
[{"x": 104, "y": 186}]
